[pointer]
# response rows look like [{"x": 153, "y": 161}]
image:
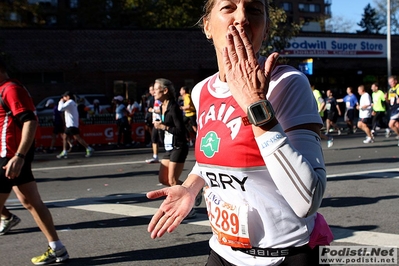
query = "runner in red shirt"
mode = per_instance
[{"x": 18, "y": 126}]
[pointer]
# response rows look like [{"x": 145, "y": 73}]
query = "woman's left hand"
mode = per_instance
[
  {"x": 172, "y": 211},
  {"x": 13, "y": 167},
  {"x": 247, "y": 82}
]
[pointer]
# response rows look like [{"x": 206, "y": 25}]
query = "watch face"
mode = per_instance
[{"x": 260, "y": 113}]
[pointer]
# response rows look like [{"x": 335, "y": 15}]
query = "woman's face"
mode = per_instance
[
  {"x": 247, "y": 14},
  {"x": 159, "y": 92}
]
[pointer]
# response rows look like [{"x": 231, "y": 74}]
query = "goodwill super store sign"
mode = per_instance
[{"x": 335, "y": 47}]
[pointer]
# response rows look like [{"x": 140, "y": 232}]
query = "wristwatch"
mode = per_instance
[{"x": 260, "y": 113}]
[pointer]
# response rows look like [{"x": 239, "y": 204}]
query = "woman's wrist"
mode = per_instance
[
  {"x": 20, "y": 155},
  {"x": 259, "y": 130}
]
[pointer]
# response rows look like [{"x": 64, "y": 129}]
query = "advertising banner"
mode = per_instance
[
  {"x": 92, "y": 134},
  {"x": 335, "y": 47}
]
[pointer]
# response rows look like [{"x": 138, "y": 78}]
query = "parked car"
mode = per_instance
[{"x": 105, "y": 103}]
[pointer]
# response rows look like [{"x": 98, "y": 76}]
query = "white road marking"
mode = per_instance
[
  {"x": 142, "y": 162},
  {"x": 341, "y": 235},
  {"x": 135, "y": 211},
  {"x": 365, "y": 238},
  {"x": 85, "y": 166}
]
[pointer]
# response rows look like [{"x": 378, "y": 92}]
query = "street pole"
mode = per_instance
[{"x": 389, "y": 37}]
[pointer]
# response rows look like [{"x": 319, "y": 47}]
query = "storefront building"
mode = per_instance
[{"x": 50, "y": 62}]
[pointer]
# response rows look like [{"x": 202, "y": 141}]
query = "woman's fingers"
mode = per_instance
[
  {"x": 270, "y": 65},
  {"x": 236, "y": 45}
]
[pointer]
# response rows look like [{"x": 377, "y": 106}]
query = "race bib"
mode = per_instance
[
  {"x": 168, "y": 141},
  {"x": 229, "y": 222}
]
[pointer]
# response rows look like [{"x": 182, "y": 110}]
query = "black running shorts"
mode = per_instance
[{"x": 26, "y": 176}]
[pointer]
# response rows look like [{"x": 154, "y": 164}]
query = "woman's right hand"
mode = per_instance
[
  {"x": 247, "y": 81},
  {"x": 172, "y": 211}
]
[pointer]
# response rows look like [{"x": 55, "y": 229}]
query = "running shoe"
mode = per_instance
[
  {"x": 339, "y": 132},
  {"x": 387, "y": 133},
  {"x": 89, "y": 152},
  {"x": 191, "y": 215},
  {"x": 6, "y": 225},
  {"x": 70, "y": 148},
  {"x": 198, "y": 198},
  {"x": 330, "y": 142},
  {"x": 51, "y": 256},
  {"x": 152, "y": 160},
  {"x": 368, "y": 140},
  {"x": 63, "y": 154}
]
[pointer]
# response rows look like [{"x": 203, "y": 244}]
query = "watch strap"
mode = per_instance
[{"x": 245, "y": 121}]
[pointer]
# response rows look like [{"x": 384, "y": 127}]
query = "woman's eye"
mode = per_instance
[
  {"x": 228, "y": 7},
  {"x": 254, "y": 10}
]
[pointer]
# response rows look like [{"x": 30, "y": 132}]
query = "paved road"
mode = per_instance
[{"x": 101, "y": 212}]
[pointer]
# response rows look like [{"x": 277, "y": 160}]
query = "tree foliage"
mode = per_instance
[
  {"x": 280, "y": 31},
  {"x": 166, "y": 13},
  {"x": 381, "y": 9},
  {"x": 371, "y": 22},
  {"x": 18, "y": 13},
  {"x": 339, "y": 24},
  {"x": 142, "y": 14}
]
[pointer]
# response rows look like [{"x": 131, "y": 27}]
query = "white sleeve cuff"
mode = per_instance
[{"x": 271, "y": 140}]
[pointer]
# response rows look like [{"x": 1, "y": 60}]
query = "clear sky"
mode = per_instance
[{"x": 351, "y": 10}]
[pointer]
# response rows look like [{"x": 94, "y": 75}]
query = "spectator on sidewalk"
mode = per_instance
[{"x": 122, "y": 122}]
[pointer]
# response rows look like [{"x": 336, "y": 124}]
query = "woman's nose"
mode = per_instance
[{"x": 240, "y": 17}]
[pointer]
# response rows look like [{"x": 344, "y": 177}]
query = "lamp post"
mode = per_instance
[{"x": 389, "y": 37}]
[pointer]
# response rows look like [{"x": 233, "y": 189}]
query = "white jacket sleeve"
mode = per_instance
[
  {"x": 296, "y": 165},
  {"x": 294, "y": 160}
]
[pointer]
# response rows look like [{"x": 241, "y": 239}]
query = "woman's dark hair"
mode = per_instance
[{"x": 165, "y": 83}]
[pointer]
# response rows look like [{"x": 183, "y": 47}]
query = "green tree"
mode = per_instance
[
  {"x": 381, "y": 8},
  {"x": 166, "y": 13},
  {"x": 339, "y": 24},
  {"x": 280, "y": 31},
  {"x": 371, "y": 22},
  {"x": 19, "y": 13}
]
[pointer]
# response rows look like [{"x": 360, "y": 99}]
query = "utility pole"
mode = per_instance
[{"x": 389, "y": 37}]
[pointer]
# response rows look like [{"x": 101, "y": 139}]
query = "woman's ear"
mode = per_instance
[
  {"x": 207, "y": 28},
  {"x": 165, "y": 91}
]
